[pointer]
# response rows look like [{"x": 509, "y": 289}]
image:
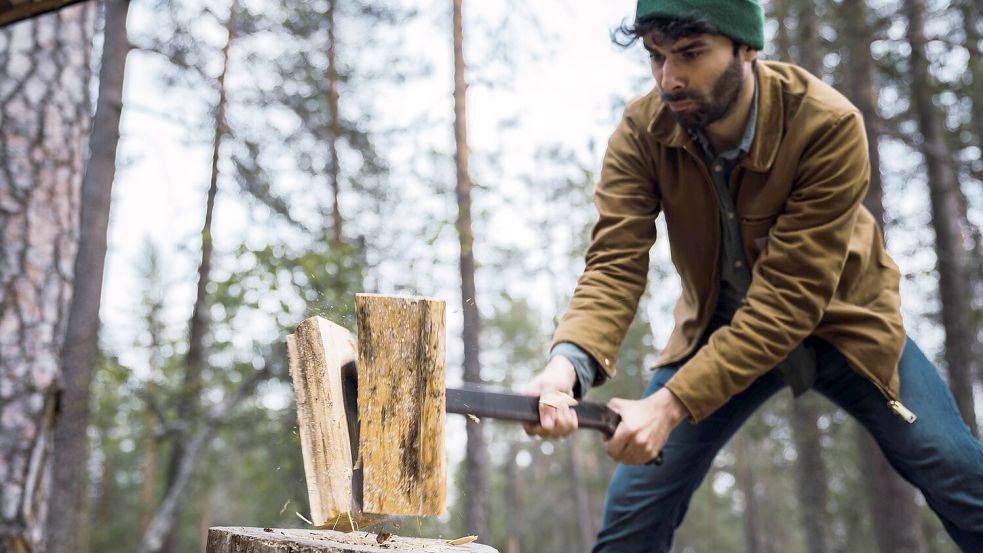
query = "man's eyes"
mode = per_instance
[{"x": 688, "y": 56}]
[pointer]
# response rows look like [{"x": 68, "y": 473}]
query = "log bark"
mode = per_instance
[
  {"x": 80, "y": 352},
  {"x": 476, "y": 469},
  {"x": 318, "y": 352},
  {"x": 44, "y": 123},
  {"x": 401, "y": 406},
  {"x": 275, "y": 540}
]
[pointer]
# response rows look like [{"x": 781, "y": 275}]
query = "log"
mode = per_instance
[
  {"x": 275, "y": 540},
  {"x": 318, "y": 351},
  {"x": 401, "y": 371}
]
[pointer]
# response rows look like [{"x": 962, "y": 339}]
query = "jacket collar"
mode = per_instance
[{"x": 769, "y": 125}]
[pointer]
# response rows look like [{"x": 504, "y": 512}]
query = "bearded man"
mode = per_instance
[{"x": 760, "y": 170}]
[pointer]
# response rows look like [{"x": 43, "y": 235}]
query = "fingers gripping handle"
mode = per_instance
[
  {"x": 509, "y": 406},
  {"x": 601, "y": 417}
]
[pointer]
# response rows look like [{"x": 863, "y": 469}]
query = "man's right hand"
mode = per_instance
[{"x": 554, "y": 422}]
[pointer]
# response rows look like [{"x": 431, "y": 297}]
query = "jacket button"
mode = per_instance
[{"x": 738, "y": 263}]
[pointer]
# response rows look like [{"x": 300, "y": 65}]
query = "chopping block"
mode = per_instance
[{"x": 371, "y": 412}]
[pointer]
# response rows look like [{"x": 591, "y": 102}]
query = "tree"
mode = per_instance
[
  {"x": 952, "y": 230},
  {"x": 44, "y": 106},
  {"x": 476, "y": 517},
  {"x": 80, "y": 351},
  {"x": 891, "y": 500},
  {"x": 184, "y": 457}
]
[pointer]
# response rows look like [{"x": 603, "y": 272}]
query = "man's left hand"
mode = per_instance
[{"x": 645, "y": 426}]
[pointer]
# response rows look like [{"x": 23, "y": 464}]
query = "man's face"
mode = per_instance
[{"x": 700, "y": 77}]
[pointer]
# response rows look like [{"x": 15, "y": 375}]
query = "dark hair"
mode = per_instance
[{"x": 674, "y": 29}]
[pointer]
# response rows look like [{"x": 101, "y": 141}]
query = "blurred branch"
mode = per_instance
[{"x": 176, "y": 58}]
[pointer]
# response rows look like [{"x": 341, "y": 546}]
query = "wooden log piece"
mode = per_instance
[
  {"x": 276, "y": 540},
  {"x": 317, "y": 351},
  {"x": 401, "y": 343}
]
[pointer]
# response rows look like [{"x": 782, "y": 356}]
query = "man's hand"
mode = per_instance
[
  {"x": 554, "y": 422},
  {"x": 645, "y": 426}
]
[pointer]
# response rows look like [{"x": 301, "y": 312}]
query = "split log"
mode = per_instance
[
  {"x": 401, "y": 404},
  {"x": 318, "y": 352},
  {"x": 275, "y": 540}
]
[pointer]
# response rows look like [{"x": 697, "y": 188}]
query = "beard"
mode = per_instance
[{"x": 704, "y": 109}]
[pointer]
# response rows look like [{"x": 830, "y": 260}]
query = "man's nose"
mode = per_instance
[{"x": 672, "y": 77}]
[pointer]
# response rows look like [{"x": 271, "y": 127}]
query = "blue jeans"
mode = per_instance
[{"x": 936, "y": 453}]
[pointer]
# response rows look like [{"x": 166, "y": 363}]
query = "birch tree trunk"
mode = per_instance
[
  {"x": 952, "y": 232},
  {"x": 45, "y": 114},
  {"x": 891, "y": 500},
  {"x": 476, "y": 518},
  {"x": 199, "y": 327},
  {"x": 78, "y": 358}
]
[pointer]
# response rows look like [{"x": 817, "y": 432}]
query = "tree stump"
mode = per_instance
[{"x": 275, "y": 540}]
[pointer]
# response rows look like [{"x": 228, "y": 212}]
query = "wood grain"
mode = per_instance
[
  {"x": 317, "y": 352},
  {"x": 401, "y": 371}
]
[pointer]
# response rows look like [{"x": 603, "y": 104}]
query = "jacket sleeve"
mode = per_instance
[
  {"x": 617, "y": 259},
  {"x": 794, "y": 279}
]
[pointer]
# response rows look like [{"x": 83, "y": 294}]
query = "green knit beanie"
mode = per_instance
[{"x": 741, "y": 20}]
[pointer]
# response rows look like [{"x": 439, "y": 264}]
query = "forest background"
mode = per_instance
[{"x": 265, "y": 161}]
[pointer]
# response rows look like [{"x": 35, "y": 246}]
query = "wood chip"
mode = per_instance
[
  {"x": 557, "y": 399},
  {"x": 284, "y": 508},
  {"x": 302, "y": 517},
  {"x": 462, "y": 541},
  {"x": 382, "y": 537},
  {"x": 474, "y": 419}
]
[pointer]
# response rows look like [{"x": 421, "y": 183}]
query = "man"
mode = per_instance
[{"x": 760, "y": 170}]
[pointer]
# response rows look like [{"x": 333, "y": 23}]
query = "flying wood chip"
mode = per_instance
[
  {"x": 557, "y": 399},
  {"x": 462, "y": 541}
]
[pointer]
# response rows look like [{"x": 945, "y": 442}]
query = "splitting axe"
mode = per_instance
[{"x": 371, "y": 414}]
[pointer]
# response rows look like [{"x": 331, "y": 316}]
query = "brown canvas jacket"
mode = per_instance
[{"x": 819, "y": 266}]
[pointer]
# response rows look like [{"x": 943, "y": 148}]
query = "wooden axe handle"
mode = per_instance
[{"x": 517, "y": 407}]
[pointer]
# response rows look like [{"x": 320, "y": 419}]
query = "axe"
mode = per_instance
[{"x": 371, "y": 415}]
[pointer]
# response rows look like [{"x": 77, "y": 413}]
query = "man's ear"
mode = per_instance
[{"x": 748, "y": 54}]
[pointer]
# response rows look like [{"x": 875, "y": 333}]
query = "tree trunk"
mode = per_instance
[
  {"x": 199, "y": 326},
  {"x": 475, "y": 461},
  {"x": 79, "y": 356},
  {"x": 971, "y": 14},
  {"x": 44, "y": 106},
  {"x": 754, "y": 534},
  {"x": 334, "y": 134},
  {"x": 811, "y": 473},
  {"x": 812, "y": 477},
  {"x": 897, "y": 528},
  {"x": 585, "y": 525},
  {"x": 890, "y": 500},
  {"x": 952, "y": 233},
  {"x": 513, "y": 499}
]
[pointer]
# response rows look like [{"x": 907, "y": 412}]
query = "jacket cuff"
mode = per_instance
[{"x": 585, "y": 365}]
